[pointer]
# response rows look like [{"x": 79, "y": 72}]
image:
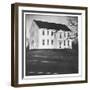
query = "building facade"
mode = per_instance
[{"x": 46, "y": 35}]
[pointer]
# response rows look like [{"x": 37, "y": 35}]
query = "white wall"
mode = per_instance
[
  {"x": 5, "y": 45},
  {"x": 45, "y": 37}
]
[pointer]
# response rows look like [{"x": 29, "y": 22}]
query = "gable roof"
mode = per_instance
[{"x": 49, "y": 25}]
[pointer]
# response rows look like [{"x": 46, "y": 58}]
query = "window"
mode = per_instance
[
  {"x": 32, "y": 43},
  {"x": 52, "y": 42},
  {"x": 60, "y": 35},
  {"x": 68, "y": 42},
  {"x": 60, "y": 44},
  {"x": 43, "y": 42},
  {"x": 43, "y": 33},
  {"x": 47, "y": 41},
  {"x": 47, "y": 32},
  {"x": 51, "y": 33},
  {"x": 64, "y": 43},
  {"x": 68, "y": 34},
  {"x": 64, "y": 34}
]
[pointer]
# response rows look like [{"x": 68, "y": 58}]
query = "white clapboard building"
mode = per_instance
[{"x": 47, "y": 35}]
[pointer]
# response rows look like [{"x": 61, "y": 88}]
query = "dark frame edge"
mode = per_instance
[
  {"x": 86, "y": 42},
  {"x": 50, "y": 6},
  {"x": 14, "y": 46},
  {"x": 51, "y": 83}
]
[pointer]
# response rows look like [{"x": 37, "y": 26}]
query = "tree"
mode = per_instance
[{"x": 73, "y": 25}]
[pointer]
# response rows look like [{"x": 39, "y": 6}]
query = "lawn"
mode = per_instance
[{"x": 50, "y": 62}]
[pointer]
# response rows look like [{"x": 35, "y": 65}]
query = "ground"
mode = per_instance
[{"x": 49, "y": 62}]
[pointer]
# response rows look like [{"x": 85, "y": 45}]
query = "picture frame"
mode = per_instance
[{"x": 48, "y": 44}]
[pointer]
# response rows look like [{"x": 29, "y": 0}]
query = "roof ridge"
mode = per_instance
[
  {"x": 51, "y": 25},
  {"x": 47, "y": 22}
]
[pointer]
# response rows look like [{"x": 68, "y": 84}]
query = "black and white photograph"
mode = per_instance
[{"x": 49, "y": 44}]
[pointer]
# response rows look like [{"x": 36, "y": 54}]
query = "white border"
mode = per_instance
[{"x": 53, "y": 78}]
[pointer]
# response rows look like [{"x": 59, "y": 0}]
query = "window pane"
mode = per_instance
[
  {"x": 51, "y": 33},
  {"x": 43, "y": 42},
  {"x": 60, "y": 44},
  {"x": 47, "y": 32},
  {"x": 52, "y": 42},
  {"x": 47, "y": 41},
  {"x": 68, "y": 42},
  {"x": 64, "y": 42},
  {"x": 43, "y": 33},
  {"x": 32, "y": 42},
  {"x": 64, "y": 34},
  {"x": 60, "y": 35},
  {"x": 68, "y": 34}
]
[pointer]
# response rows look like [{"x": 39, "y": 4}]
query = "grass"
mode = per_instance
[{"x": 55, "y": 61}]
